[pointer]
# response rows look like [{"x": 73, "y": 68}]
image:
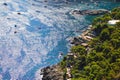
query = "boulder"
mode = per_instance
[{"x": 52, "y": 73}]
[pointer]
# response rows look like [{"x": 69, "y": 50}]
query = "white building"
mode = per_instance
[{"x": 113, "y": 22}]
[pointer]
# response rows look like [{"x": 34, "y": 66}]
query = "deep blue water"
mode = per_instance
[{"x": 34, "y": 32}]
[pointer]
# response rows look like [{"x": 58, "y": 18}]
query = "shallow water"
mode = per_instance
[{"x": 33, "y": 32}]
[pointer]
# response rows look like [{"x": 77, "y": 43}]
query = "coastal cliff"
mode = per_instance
[{"x": 95, "y": 54}]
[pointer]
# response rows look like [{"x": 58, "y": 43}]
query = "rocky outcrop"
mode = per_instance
[
  {"x": 52, "y": 73},
  {"x": 85, "y": 37},
  {"x": 89, "y": 12}
]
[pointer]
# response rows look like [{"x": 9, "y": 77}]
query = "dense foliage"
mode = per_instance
[{"x": 103, "y": 60}]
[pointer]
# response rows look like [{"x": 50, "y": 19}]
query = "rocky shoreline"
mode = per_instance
[
  {"x": 55, "y": 72},
  {"x": 85, "y": 37},
  {"x": 52, "y": 73}
]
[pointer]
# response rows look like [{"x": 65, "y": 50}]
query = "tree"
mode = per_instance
[
  {"x": 78, "y": 49},
  {"x": 104, "y": 35}
]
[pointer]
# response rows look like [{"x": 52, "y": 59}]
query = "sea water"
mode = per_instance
[{"x": 34, "y": 32}]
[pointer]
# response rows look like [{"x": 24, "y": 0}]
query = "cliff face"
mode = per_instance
[{"x": 52, "y": 73}]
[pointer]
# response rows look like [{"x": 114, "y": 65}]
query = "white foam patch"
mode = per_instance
[
  {"x": 38, "y": 75},
  {"x": 1, "y": 77}
]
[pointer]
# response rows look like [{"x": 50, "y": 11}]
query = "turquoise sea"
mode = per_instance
[{"x": 34, "y": 32}]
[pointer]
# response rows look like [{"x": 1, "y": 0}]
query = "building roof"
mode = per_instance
[{"x": 113, "y": 22}]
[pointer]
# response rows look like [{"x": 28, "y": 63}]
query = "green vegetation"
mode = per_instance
[{"x": 103, "y": 60}]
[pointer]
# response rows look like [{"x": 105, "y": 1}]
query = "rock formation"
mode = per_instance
[
  {"x": 52, "y": 73},
  {"x": 89, "y": 12}
]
